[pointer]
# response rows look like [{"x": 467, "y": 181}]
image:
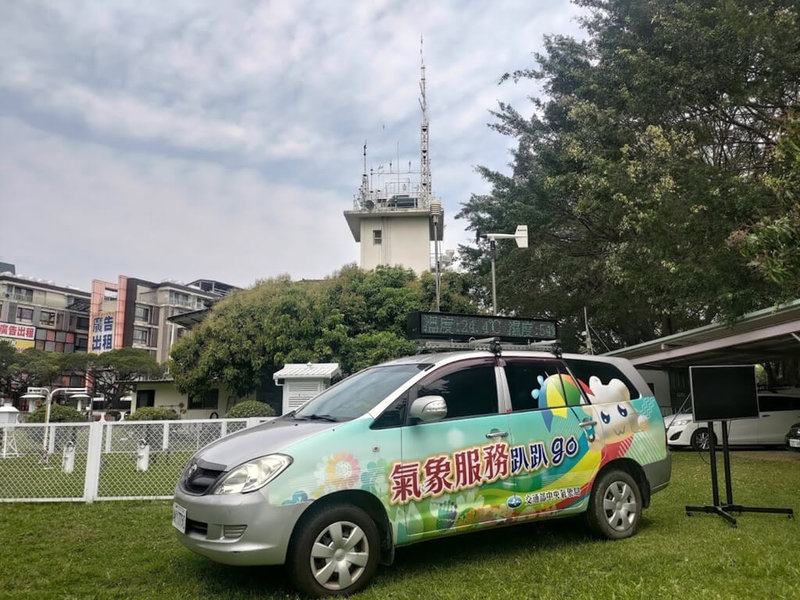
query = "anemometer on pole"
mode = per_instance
[{"x": 520, "y": 236}]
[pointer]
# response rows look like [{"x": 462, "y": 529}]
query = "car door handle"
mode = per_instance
[
  {"x": 587, "y": 424},
  {"x": 496, "y": 434}
]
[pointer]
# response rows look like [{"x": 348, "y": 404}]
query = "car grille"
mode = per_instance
[{"x": 199, "y": 481}]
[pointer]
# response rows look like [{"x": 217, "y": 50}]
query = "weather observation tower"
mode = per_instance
[{"x": 395, "y": 217}]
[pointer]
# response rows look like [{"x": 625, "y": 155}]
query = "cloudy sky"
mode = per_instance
[{"x": 188, "y": 139}]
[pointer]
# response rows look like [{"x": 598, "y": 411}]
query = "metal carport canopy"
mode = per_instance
[
  {"x": 190, "y": 319},
  {"x": 771, "y": 334}
]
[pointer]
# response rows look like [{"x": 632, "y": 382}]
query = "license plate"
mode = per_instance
[
  {"x": 794, "y": 443},
  {"x": 178, "y": 517}
]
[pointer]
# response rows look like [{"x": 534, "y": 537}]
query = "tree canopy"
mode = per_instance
[
  {"x": 32, "y": 367},
  {"x": 355, "y": 318},
  {"x": 111, "y": 374},
  {"x": 115, "y": 373},
  {"x": 657, "y": 175}
]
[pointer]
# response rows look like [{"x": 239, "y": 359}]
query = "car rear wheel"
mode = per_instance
[
  {"x": 701, "y": 439},
  {"x": 335, "y": 552},
  {"x": 615, "y": 506}
]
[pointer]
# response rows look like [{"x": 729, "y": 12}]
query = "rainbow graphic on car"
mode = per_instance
[{"x": 545, "y": 466}]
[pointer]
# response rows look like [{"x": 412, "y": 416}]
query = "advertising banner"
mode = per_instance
[{"x": 103, "y": 332}]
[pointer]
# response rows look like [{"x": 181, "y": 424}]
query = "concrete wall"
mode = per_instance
[{"x": 405, "y": 241}]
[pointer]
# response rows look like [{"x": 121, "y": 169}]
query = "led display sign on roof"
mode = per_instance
[{"x": 456, "y": 327}]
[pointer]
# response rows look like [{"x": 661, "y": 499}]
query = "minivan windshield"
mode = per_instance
[{"x": 358, "y": 394}]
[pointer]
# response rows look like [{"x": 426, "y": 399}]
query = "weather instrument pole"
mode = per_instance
[{"x": 520, "y": 236}]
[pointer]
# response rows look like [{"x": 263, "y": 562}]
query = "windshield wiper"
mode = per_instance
[{"x": 316, "y": 418}]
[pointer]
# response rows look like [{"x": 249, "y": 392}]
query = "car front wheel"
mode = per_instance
[
  {"x": 335, "y": 552},
  {"x": 701, "y": 439},
  {"x": 615, "y": 506}
]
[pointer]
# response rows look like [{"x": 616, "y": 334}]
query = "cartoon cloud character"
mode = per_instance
[{"x": 618, "y": 419}]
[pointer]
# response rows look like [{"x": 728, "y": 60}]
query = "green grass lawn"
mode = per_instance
[{"x": 128, "y": 550}]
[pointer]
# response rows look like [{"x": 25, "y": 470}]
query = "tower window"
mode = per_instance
[{"x": 377, "y": 236}]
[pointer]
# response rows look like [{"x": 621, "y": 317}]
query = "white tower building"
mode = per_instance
[{"x": 395, "y": 217}]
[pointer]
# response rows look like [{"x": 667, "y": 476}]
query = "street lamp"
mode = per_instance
[
  {"x": 520, "y": 236},
  {"x": 43, "y": 393}
]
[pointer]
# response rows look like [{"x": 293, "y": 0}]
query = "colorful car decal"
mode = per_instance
[{"x": 446, "y": 481}]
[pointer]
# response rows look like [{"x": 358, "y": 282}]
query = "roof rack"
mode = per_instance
[{"x": 492, "y": 344}]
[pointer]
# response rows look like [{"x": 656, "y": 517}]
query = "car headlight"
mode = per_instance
[
  {"x": 253, "y": 475},
  {"x": 678, "y": 421}
]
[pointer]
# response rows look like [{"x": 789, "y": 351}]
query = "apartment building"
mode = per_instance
[
  {"x": 35, "y": 313},
  {"x": 134, "y": 313}
]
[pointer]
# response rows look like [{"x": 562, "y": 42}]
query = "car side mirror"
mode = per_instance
[{"x": 428, "y": 409}]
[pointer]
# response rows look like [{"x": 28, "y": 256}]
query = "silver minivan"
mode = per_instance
[{"x": 423, "y": 447}]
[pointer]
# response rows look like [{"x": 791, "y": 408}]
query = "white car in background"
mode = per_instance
[{"x": 777, "y": 411}]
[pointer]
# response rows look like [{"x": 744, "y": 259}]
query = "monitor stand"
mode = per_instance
[{"x": 725, "y": 510}]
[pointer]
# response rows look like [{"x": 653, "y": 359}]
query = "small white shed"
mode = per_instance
[
  {"x": 301, "y": 382},
  {"x": 8, "y": 416}
]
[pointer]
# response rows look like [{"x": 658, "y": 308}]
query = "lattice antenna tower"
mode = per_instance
[{"x": 425, "y": 166}]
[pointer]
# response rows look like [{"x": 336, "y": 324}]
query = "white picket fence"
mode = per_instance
[{"x": 86, "y": 462}]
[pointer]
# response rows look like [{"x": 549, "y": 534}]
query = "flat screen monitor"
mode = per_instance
[{"x": 723, "y": 393}]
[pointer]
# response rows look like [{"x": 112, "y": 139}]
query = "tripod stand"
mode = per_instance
[{"x": 724, "y": 510}]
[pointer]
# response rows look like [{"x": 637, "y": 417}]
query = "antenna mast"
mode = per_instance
[
  {"x": 425, "y": 167},
  {"x": 363, "y": 191}
]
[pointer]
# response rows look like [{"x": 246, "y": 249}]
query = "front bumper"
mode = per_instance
[{"x": 238, "y": 529}]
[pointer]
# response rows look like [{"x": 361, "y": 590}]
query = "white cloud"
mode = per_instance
[
  {"x": 241, "y": 123},
  {"x": 92, "y": 212}
]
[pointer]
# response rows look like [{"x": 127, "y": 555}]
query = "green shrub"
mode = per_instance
[
  {"x": 58, "y": 414},
  {"x": 153, "y": 413},
  {"x": 250, "y": 408}
]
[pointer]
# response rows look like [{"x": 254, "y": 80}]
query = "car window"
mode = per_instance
[
  {"x": 605, "y": 373},
  {"x": 468, "y": 389},
  {"x": 359, "y": 393},
  {"x": 535, "y": 384},
  {"x": 778, "y": 403}
]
